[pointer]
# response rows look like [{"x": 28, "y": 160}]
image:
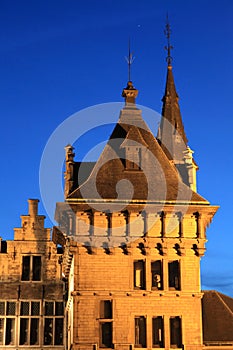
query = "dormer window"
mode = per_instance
[
  {"x": 133, "y": 158},
  {"x": 133, "y": 145}
]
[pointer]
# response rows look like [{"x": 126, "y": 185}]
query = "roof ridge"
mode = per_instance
[{"x": 224, "y": 303}]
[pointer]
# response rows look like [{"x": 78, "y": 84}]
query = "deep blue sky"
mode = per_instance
[{"x": 58, "y": 57}]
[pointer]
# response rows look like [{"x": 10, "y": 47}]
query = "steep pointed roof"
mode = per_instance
[
  {"x": 154, "y": 178},
  {"x": 171, "y": 131}
]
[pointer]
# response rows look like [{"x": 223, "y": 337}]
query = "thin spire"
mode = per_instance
[
  {"x": 171, "y": 132},
  {"x": 169, "y": 47},
  {"x": 129, "y": 59},
  {"x": 129, "y": 93}
]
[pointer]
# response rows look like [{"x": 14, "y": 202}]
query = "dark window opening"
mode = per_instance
[
  {"x": 139, "y": 274},
  {"x": 24, "y": 308},
  {"x": 26, "y": 268},
  {"x": 54, "y": 326},
  {"x": 7, "y": 324},
  {"x": 174, "y": 275},
  {"x": 34, "y": 331},
  {"x": 49, "y": 308},
  {"x": 1, "y": 330},
  {"x": 23, "y": 339},
  {"x": 60, "y": 249},
  {"x": 2, "y": 308},
  {"x": 106, "y": 309},
  {"x": 35, "y": 308},
  {"x": 156, "y": 275},
  {"x": 106, "y": 334},
  {"x": 175, "y": 332},
  {"x": 10, "y": 331},
  {"x": 158, "y": 332},
  {"x": 59, "y": 308},
  {"x": 58, "y": 331},
  {"x": 31, "y": 268},
  {"x": 48, "y": 331},
  {"x": 29, "y": 326},
  {"x": 36, "y": 268},
  {"x": 3, "y": 247},
  {"x": 10, "y": 308},
  {"x": 140, "y": 332}
]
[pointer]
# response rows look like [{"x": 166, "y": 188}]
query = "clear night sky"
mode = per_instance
[{"x": 58, "y": 57}]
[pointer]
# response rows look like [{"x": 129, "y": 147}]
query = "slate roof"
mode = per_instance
[
  {"x": 217, "y": 314},
  {"x": 171, "y": 109},
  {"x": 158, "y": 179}
]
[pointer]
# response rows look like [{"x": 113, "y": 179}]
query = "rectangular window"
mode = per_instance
[
  {"x": 140, "y": 332},
  {"x": 31, "y": 268},
  {"x": 106, "y": 334},
  {"x": 106, "y": 309},
  {"x": 3, "y": 247},
  {"x": 139, "y": 274},
  {"x": 29, "y": 323},
  {"x": 36, "y": 268},
  {"x": 26, "y": 268},
  {"x": 156, "y": 275},
  {"x": 10, "y": 331},
  {"x": 174, "y": 275},
  {"x": 158, "y": 332},
  {"x": 175, "y": 332},
  {"x": 53, "y": 323},
  {"x": 106, "y": 327},
  {"x": 7, "y": 323}
]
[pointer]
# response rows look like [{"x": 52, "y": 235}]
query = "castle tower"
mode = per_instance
[{"x": 133, "y": 234}]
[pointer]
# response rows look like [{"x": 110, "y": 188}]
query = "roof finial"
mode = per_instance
[
  {"x": 129, "y": 60},
  {"x": 169, "y": 47}
]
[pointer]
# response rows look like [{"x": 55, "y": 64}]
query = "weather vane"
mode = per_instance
[
  {"x": 129, "y": 59},
  {"x": 169, "y": 47}
]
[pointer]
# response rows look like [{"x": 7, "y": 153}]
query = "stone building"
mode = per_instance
[
  {"x": 122, "y": 269},
  {"x": 31, "y": 289},
  {"x": 133, "y": 229}
]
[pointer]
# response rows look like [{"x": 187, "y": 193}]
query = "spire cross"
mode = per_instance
[
  {"x": 169, "y": 47},
  {"x": 129, "y": 60}
]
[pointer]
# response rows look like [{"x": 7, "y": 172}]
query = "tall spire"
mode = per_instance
[{"x": 171, "y": 134}]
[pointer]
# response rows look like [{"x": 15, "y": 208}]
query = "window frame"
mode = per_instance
[
  {"x": 29, "y": 328},
  {"x": 174, "y": 279},
  {"x": 139, "y": 274},
  {"x": 55, "y": 317},
  {"x": 138, "y": 333},
  {"x": 159, "y": 273},
  {"x": 161, "y": 337},
  {"x": 32, "y": 268},
  {"x": 6, "y": 317},
  {"x": 105, "y": 320},
  {"x": 177, "y": 344}
]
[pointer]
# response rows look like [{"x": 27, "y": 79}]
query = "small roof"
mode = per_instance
[{"x": 217, "y": 314}]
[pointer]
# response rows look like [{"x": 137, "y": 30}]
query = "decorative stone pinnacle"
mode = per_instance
[{"x": 130, "y": 93}]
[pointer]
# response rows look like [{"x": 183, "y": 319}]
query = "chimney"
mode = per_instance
[{"x": 33, "y": 207}]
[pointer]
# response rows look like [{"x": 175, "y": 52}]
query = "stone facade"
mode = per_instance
[
  {"x": 122, "y": 269},
  {"x": 132, "y": 265},
  {"x": 31, "y": 289}
]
